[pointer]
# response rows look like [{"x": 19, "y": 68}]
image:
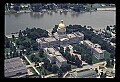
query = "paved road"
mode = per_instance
[
  {"x": 31, "y": 65},
  {"x": 50, "y": 75},
  {"x": 88, "y": 67}
]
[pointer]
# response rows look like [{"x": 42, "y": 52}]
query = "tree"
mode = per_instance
[
  {"x": 36, "y": 60},
  {"x": 68, "y": 49},
  {"x": 103, "y": 75},
  {"x": 108, "y": 62},
  {"x": 28, "y": 51},
  {"x": 108, "y": 28},
  {"x": 61, "y": 50},
  {"x": 113, "y": 40},
  {"x": 63, "y": 68},
  {"x": 16, "y": 8},
  {"x": 41, "y": 53},
  {"x": 68, "y": 67},
  {"x": 49, "y": 67},
  {"x": 32, "y": 58},
  {"x": 73, "y": 58},
  {"x": 55, "y": 68},
  {"x": 13, "y": 37},
  {"x": 60, "y": 73},
  {"x": 26, "y": 44},
  {"x": 7, "y": 42},
  {"x": 79, "y": 63},
  {"x": 55, "y": 29},
  {"x": 35, "y": 46},
  {"x": 46, "y": 62},
  {"x": 96, "y": 70}
]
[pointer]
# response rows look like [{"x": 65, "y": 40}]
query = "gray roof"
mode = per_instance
[
  {"x": 71, "y": 35},
  {"x": 61, "y": 58},
  {"x": 49, "y": 39},
  {"x": 13, "y": 66},
  {"x": 78, "y": 34}
]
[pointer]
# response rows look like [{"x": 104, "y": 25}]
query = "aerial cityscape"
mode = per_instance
[{"x": 60, "y": 40}]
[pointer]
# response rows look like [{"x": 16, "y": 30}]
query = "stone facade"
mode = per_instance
[
  {"x": 96, "y": 50},
  {"x": 60, "y": 38},
  {"x": 55, "y": 57}
]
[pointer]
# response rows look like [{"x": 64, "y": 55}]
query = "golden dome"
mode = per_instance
[{"x": 61, "y": 25}]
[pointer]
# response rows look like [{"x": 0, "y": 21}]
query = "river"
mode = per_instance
[{"x": 97, "y": 19}]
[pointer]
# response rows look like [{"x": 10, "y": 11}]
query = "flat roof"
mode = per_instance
[
  {"x": 89, "y": 43},
  {"x": 41, "y": 40},
  {"x": 52, "y": 50},
  {"x": 97, "y": 45},
  {"x": 49, "y": 39},
  {"x": 98, "y": 50},
  {"x": 71, "y": 35},
  {"x": 13, "y": 65},
  {"x": 57, "y": 53},
  {"x": 62, "y": 39},
  {"x": 78, "y": 34},
  {"x": 51, "y": 55},
  {"x": 60, "y": 58}
]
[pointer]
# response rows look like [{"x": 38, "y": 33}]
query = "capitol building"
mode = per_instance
[{"x": 60, "y": 38}]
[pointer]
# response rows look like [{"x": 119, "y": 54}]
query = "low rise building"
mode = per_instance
[
  {"x": 95, "y": 49},
  {"x": 72, "y": 38},
  {"x": 14, "y": 68},
  {"x": 55, "y": 56},
  {"x": 60, "y": 38},
  {"x": 60, "y": 60}
]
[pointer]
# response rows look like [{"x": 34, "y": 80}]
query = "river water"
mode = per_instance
[{"x": 97, "y": 19}]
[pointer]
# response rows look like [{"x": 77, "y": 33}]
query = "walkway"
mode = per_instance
[
  {"x": 50, "y": 75},
  {"x": 32, "y": 65},
  {"x": 88, "y": 67}
]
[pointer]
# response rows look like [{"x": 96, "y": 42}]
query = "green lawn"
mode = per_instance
[
  {"x": 106, "y": 55},
  {"x": 42, "y": 70},
  {"x": 73, "y": 66},
  {"x": 7, "y": 50},
  {"x": 94, "y": 60}
]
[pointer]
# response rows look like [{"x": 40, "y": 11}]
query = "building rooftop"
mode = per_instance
[
  {"x": 41, "y": 40},
  {"x": 13, "y": 65},
  {"x": 78, "y": 34},
  {"x": 57, "y": 53},
  {"x": 60, "y": 58},
  {"x": 62, "y": 39},
  {"x": 51, "y": 50},
  {"x": 49, "y": 39},
  {"x": 94, "y": 46},
  {"x": 51, "y": 55},
  {"x": 89, "y": 43},
  {"x": 98, "y": 50},
  {"x": 97, "y": 45},
  {"x": 71, "y": 35}
]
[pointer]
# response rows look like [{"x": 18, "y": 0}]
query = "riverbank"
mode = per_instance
[{"x": 106, "y": 9}]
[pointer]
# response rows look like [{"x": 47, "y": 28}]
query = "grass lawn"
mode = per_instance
[
  {"x": 7, "y": 50},
  {"x": 94, "y": 60},
  {"x": 28, "y": 56},
  {"x": 73, "y": 66},
  {"x": 106, "y": 55},
  {"x": 42, "y": 70}
]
